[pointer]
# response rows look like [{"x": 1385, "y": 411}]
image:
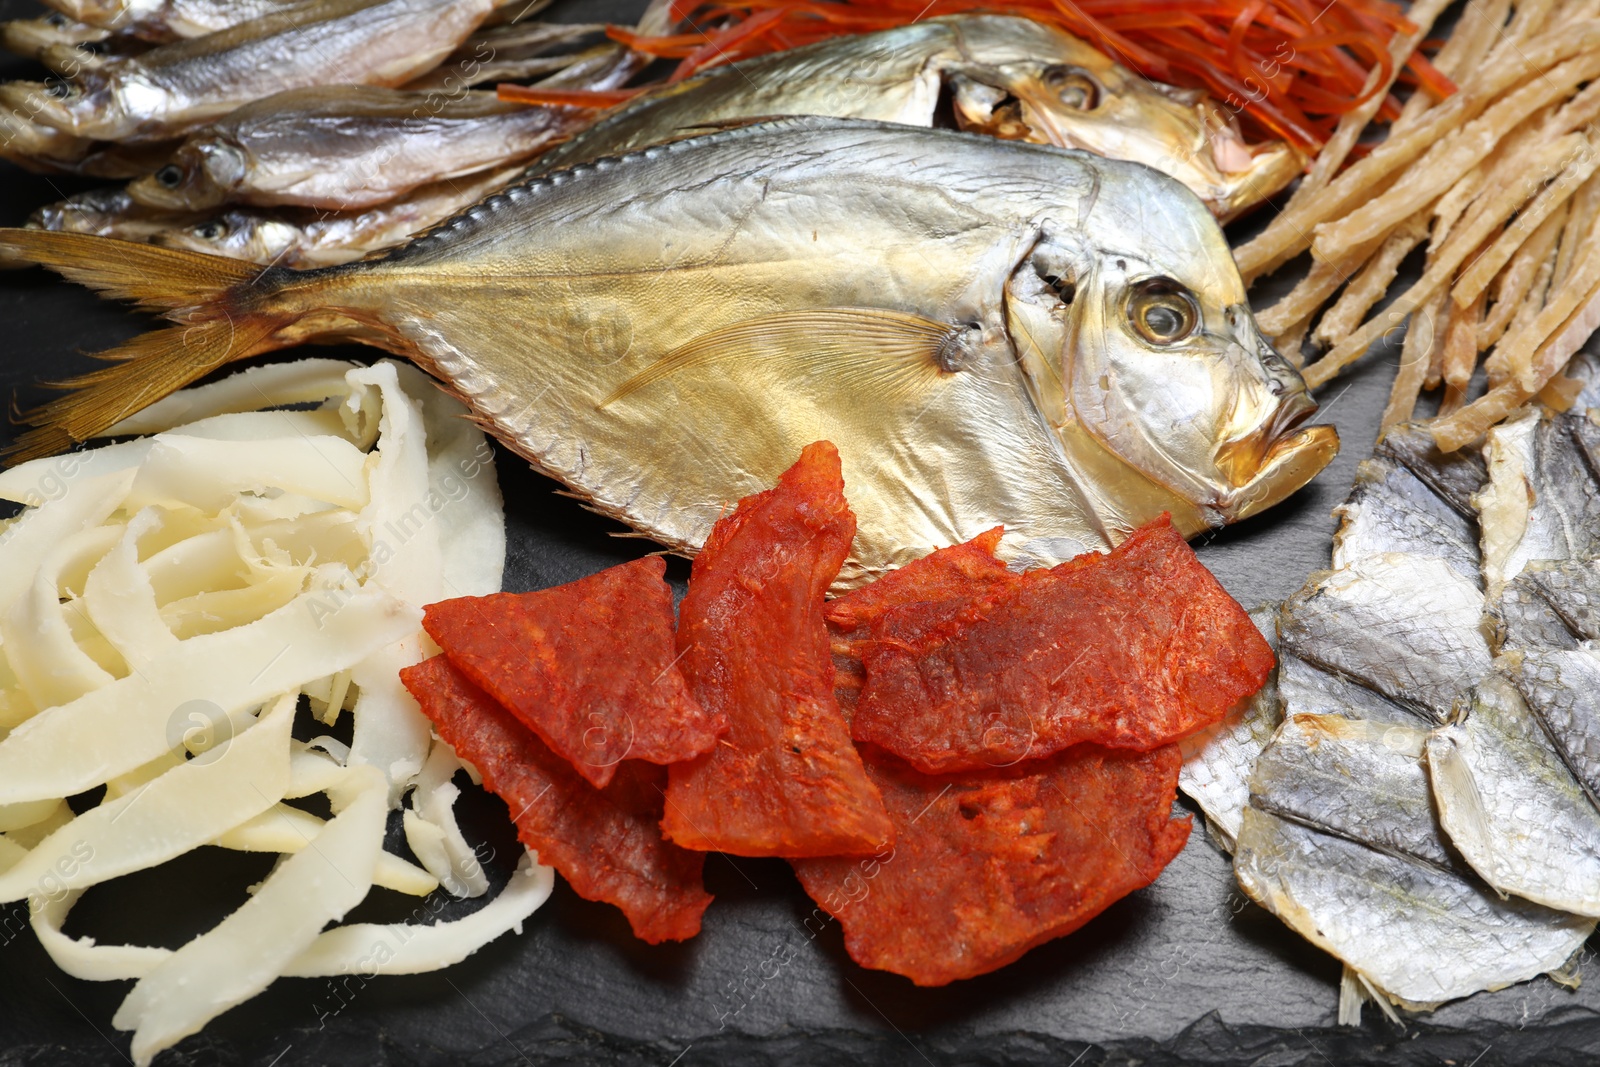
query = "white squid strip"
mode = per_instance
[
  {"x": 432, "y": 831},
  {"x": 121, "y": 602},
  {"x": 402, "y": 948},
  {"x": 179, "y": 811},
  {"x": 76, "y": 746},
  {"x": 299, "y": 382},
  {"x": 284, "y": 829},
  {"x": 248, "y": 950},
  {"x": 208, "y": 474},
  {"x": 367, "y": 949},
  {"x": 38, "y": 532},
  {"x": 47, "y": 660}
]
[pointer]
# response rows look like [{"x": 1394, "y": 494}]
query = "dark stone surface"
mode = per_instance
[{"x": 1185, "y": 972}]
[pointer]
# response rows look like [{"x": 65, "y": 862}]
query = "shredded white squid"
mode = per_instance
[{"x": 165, "y": 605}]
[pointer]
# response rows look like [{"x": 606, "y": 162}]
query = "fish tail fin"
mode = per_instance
[{"x": 226, "y": 310}]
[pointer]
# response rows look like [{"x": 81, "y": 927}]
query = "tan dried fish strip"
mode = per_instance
[
  {"x": 1547, "y": 160},
  {"x": 1517, "y": 277},
  {"x": 1368, "y": 287},
  {"x": 1290, "y": 232},
  {"x": 1433, "y": 173},
  {"x": 1471, "y": 283}
]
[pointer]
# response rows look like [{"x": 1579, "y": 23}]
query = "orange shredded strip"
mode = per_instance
[
  {"x": 1289, "y": 68},
  {"x": 589, "y": 98}
]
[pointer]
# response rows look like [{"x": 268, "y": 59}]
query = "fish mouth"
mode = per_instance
[
  {"x": 1266, "y": 466},
  {"x": 1252, "y": 173}
]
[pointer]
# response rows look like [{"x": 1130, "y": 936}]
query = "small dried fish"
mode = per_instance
[
  {"x": 1010, "y": 77},
  {"x": 168, "y": 20},
  {"x": 305, "y": 239},
  {"x": 346, "y": 147},
  {"x": 107, "y": 213},
  {"x": 179, "y": 86},
  {"x": 985, "y": 337}
]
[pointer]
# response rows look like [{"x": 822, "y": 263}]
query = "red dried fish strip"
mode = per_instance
[
  {"x": 588, "y": 666},
  {"x": 785, "y": 780},
  {"x": 1134, "y": 649},
  {"x": 606, "y": 842},
  {"x": 987, "y": 865}
]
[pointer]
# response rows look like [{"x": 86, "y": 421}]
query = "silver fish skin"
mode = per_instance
[
  {"x": 1307, "y": 690},
  {"x": 1392, "y": 510},
  {"x": 1217, "y": 761},
  {"x": 1509, "y": 801},
  {"x": 1524, "y": 619},
  {"x": 1571, "y": 588},
  {"x": 1362, "y": 622},
  {"x": 1360, "y": 780},
  {"x": 1419, "y": 935},
  {"x": 996, "y": 74},
  {"x": 178, "y": 86},
  {"x": 1563, "y": 689},
  {"x": 991, "y": 333},
  {"x": 1542, "y": 501},
  {"x": 305, "y": 240},
  {"x": 345, "y": 148}
]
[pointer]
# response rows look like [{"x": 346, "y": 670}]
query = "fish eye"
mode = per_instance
[
  {"x": 1162, "y": 311},
  {"x": 211, "y": 231},
  {"x": 170, "y": 176},
  {"x": 56, "y": 19},
  {"x": 60, "y": 90},
  {"x": 1073, "y": 87}
]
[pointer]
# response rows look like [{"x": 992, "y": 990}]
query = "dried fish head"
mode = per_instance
[
  {"x": 1024, "y": 80},
  {"x": 201, "y": 174},
  {"x": 1141, "y": 350},
  {"x": 247, "y": 235}
]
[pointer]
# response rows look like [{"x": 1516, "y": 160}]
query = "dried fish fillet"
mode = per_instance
[
  {"x": 1511, "y": 805},
  {"x": 1418, "y": 931},
  {"x": 1405, "y": 626},
  {"x": 1542, "y": 501},
  {"x": 1390, "y": 509},
  {"x": 1419, "y": 935}
]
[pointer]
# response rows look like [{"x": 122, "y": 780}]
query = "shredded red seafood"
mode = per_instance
[{"x": 1288, "y": 68}]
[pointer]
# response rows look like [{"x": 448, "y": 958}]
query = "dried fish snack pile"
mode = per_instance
[
  {"x": 177, "y": 610},
  {"x": 1497, "y": 183},
  {"x": 271, "y": 140},
  {"x": 936, "y": 877},
  {"x": 1418, "y": 799}
]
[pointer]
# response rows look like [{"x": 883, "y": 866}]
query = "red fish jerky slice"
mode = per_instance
[
  {"x": 588, "y": 666},
  {"x": 1133, "y": 649},
  {"x": 785, "y": 780},
  {"x": 986, "y": 865},
  {"x": 959, "y": 580},
  {"x": 606, "y": 842}
]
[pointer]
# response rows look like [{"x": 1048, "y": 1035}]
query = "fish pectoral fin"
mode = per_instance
[{"x": 858, "y": 348}]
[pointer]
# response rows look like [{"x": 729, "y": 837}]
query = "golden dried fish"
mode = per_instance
[
  {"x": 30, "y": 37},
  {"x": 990, "y": 331},
  {"x": 346, "y": 147},
  {"x": 179, "y": 86},
  {"x": 306, "y": 239},
  {"x": 1010, "y": 77}
]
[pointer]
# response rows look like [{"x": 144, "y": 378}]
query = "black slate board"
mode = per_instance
[{"x": 1185, "y": 972}]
